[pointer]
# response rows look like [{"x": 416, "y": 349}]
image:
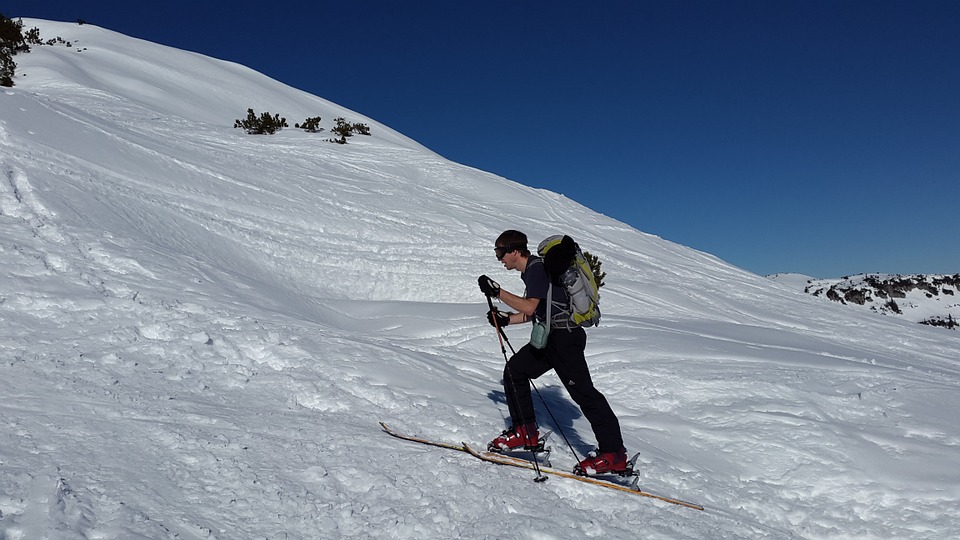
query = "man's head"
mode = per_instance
[{"x": 510, "y": 247}]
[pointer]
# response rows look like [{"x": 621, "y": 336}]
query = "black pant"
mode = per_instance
[{"x": 563, "y": 354}]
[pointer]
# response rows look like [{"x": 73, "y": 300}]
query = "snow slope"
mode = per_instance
[{"x": 201, "y": 329}]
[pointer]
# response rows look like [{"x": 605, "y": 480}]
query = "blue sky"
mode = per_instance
[{"x": 819, "y": 137}]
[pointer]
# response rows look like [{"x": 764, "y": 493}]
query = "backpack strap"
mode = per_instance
[
  {"x": 562, "y": 319},
  {"x": 550, "y": 303}
]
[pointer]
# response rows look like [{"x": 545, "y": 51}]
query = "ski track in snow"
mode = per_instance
[{"x": 201, "y": 330}]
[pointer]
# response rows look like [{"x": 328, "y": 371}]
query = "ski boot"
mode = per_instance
[
  {"x": 525, "y": 437},
  {"x": 598, "y": 462}
]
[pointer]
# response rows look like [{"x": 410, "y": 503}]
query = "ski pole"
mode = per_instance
[{"x": 502, "y": 336}]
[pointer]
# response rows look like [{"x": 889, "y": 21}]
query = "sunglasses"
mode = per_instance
[{"x": 503, "y": 250}]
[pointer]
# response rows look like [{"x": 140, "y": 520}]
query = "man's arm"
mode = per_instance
[{"x": 525, "y": 306}]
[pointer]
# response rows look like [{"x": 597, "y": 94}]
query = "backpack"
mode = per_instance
[{"x": 568, "y": 268}]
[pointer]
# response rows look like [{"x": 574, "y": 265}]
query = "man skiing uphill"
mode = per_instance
[{"x": 562, "y": 352}]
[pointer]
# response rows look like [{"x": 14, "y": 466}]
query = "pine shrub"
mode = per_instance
[
  {"x": 362, "y": 129},
  {"x": 345, "y": 129},
  {"x": 261, "y": 125},
  {"x": 595, "y": 265},
  {"x": 7, "y": 68},
  {"x": 32, "y": 37},
  {"x": 11, "y": 43},
  {"x": 311, "y": 125}
]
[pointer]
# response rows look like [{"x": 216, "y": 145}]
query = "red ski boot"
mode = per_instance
[
  {"x": 523, "y": 437},
  {"x": 598, "y": 462}
]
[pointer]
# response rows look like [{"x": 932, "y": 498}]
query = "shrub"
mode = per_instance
[
  {"x": 11, "y": 36},
  {"x": 345, "y": 129},
  {"x": 311, "y": 125},
  {"x": 595, "y": 265},
  {"x": 11, "y": 43},
  {"x": 949, "y": 322},
  {"x": 264, "y": 124},
  {"x": 32, "y": 37},
  {"x": 58, "y": 41},
  {"x": 7, "y": 68},
  {"x": 362, "y": 129}
]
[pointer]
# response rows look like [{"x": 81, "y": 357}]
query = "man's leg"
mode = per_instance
[
  {"x": 566, "y": 354},
  {"x": 528, "y": 363}
]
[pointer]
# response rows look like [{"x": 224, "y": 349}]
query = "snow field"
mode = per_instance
[{"x": 201, "y": 330}]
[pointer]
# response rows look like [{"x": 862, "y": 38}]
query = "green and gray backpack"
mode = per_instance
[{"x": 568, "y": 268}]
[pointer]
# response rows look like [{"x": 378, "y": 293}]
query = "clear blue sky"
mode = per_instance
[{"x": 819, "y": 137}]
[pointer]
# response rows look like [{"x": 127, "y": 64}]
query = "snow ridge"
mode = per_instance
[{"x": 920, "y": 298}]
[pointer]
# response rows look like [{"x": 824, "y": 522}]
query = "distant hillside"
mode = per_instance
[{"x": 926, "y": 299}]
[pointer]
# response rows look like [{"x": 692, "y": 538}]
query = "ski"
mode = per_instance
[
  {"x": 514, "y": 462},
  {"x": 542, "y": 453},
  {"x": 458, "y": 447},
  {"x": 506, "y": 459},
  {"x": 539, "y": 449}
]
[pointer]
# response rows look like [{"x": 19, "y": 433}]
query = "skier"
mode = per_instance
[{"x": 563, "y": 353}]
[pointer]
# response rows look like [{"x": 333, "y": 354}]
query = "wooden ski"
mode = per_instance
[
  {"x": 514, "y": 462},
  {"x": 503, "y": 459},
  {"x": 458, "y": 447}
]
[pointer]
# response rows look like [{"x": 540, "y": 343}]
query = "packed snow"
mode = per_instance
[{"x": 202, "y": 328}]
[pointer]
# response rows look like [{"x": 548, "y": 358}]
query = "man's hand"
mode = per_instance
[
  {"x": 497, "y": 318},
  {"x": 489, "y": 287}
]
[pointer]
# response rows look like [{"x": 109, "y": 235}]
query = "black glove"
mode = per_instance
[
  {"x": 497, "y": 318},
  {"x": 489, "y": 287}
]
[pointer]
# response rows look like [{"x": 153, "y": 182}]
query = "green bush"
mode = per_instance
[
  {"x": 267, "y": 124},
  {"x": 7, "y": 68},
  {"x": 345, "y": 129},
  {"x": 362, "y": 129},
  {"x": 11, "y": 36},
  {"x": 595, "y": 265},
  {"x": 937, "y": 320},
  {"x": 58, "y": 41},
  {"x": 32, "y": 37},
  {"x": 11, "y": 43},
  {"x": 311, "y": 125},
  {"x": 261, "y": 125}
]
